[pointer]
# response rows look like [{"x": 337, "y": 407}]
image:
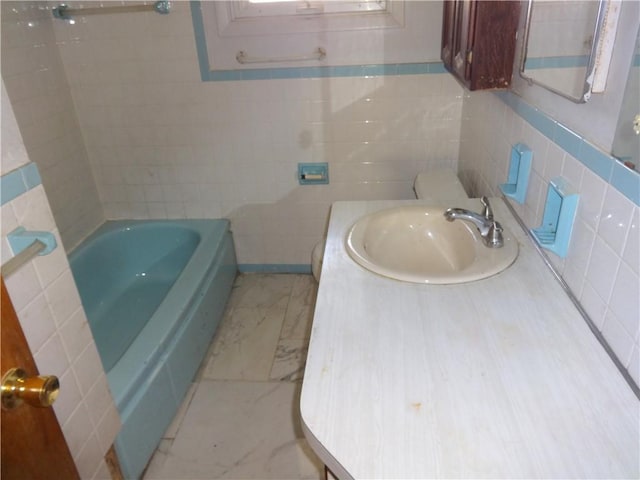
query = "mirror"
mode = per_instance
[
  {"x": 626, "y": 143},
  {"x": 560, "y": 45}
]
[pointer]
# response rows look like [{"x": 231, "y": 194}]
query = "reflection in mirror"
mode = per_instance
[
  {"x": 626, "y": 143},
  {"x": 559, "y": 45}
]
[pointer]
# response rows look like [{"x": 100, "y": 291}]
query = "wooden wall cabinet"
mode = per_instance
[{"x": 479, "y": 41}]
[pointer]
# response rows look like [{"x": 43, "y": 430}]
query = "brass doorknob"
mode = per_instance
[{"x": 39, "y": 391}]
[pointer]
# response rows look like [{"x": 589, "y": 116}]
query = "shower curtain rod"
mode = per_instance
[{"x": 63, "y": 11}]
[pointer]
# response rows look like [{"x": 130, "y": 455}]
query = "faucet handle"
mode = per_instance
[
  {"x": 487, "y": 212},
  {"x": 494, "y": 238}
]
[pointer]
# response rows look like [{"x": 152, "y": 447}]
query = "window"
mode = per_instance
[
  {"x": 287, "y": 33},
  {"x": 261, "y": 8},
  {"x": 246, "y": 18}
]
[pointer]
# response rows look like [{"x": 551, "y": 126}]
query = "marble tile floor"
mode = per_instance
[{"x": 240, "y": 419}]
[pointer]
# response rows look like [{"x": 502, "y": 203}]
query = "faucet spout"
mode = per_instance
[
  {"x": 490, "y": 230},
  {"x": 481, "y": 223}
]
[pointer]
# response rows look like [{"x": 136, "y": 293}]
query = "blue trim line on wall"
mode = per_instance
[
  {"x": 571, "y": 61},
  {"x": 607, "y": 167},
  {"x": 273, "y": 268},
  {"x": 19, "y": 181},
  {"x": 209, "y": 75}
]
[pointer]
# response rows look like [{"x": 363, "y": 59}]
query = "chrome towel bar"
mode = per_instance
[
  {"x": 27, "y": 244},
  {"x": 318, "y": 54},
  {"x": 14, "y": 263},
  {"x": 63, "y": 12}
]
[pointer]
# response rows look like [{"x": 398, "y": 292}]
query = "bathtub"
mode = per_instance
[{"x": 154, "y": 293}]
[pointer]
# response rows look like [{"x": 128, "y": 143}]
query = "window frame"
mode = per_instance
[
  {"x": 404, "y": 38},
  {"x": 231, "y": 22},
  {"x": 270, "y": 8}
]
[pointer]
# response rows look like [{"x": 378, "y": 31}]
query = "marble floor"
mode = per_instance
[{"x": 240, "y": 419}]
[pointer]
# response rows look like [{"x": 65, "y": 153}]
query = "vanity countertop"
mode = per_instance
[{"x": 499, "y": 378}]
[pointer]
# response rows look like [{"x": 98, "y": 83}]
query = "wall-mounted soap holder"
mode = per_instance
[
  {"x": 20, "y": 239},
  {"x": 313, "y": 173},
  {"x": 25, "y": 245},
  {"x": 518, "y": 176},
  {"x": 557, "y": 221}
]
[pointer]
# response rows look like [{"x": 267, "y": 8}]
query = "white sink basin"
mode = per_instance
[{"x": 417, "y": 244}]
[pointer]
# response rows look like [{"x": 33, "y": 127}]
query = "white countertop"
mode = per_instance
[{"x": 499, "y": 378}]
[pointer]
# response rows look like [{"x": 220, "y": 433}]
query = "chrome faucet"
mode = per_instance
[{"x": 490, "y": 230}]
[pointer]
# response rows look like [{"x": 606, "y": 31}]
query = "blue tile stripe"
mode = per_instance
[
  {"x": 604, "y": 165},
  {"x": 19, "y": 181},
  {"x": 31, "y": 175},
  {"x": 209, "y": 75},
  {"x": 570, "y": 61},
  {"x": 273, "y": 268},
  {"x": 627, "y": 184},
  {"x": 201, "y": 43}
]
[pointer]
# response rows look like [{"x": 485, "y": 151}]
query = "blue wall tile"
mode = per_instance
[
  {"x": 222, "y": 75},
  {"x": 19, "y": 181},
  {"x": 414, "y": 69},
  {"x": 571, "y": 61},
  {"x": 544, "y": 124},
  {"x": 31, "y": 176},
  {"x": 597, "y": 161},
  {"x": 627, "y": 181},
  {"x": 12, "y": 186},
  {"x": 285, "y": 73},
  {"x": 256, "y": 74},
  {"x": 436, "y": 67},
  {"x": 567, "y": 139}
]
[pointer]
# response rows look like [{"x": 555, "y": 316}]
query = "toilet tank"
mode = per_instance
[{"x": 440, "y": 185}]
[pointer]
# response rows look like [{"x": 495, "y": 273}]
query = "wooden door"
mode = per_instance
[{"x": 33, "y": 446}]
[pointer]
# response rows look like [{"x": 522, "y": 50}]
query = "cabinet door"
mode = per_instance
[
  {"x": 495, "y": 28},
  {"x": 448, "y": 32},
  {"x": 458, "y": 30},
  {"x": 478, "y": 41},
  {"x": 463, "y": 48}
]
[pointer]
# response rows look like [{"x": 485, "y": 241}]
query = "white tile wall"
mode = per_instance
[
  {"x": 37, "y": 87},
  {"x": 53, "y": 320},
  {"x": 602, "y": 265},
  {"x": 164, "y": 144},
  {"x": 14, "y": 154},
  {"x": 46, "y": 300}
]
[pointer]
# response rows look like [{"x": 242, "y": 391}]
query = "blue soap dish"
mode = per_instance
[
  {"x": 20, "y": 239},
  {"x": 518, "y": 176},
  {"x": 557, "y": 221}
]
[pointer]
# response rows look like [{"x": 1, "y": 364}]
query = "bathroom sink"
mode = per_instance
[{"x": 417, "y": 244}]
